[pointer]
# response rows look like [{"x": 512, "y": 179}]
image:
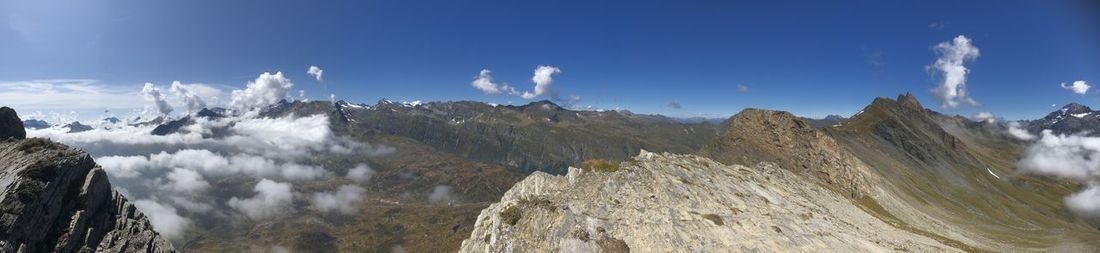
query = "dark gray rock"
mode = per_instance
[
  {"x": 56, "y": 199},
  {"x": 10, "y": 125}
]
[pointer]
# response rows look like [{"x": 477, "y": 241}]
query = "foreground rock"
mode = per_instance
[
  {"x": 674, "y": 203},
  {"x": 10, "y": 126},
  {"x": 56, "y": 199}
]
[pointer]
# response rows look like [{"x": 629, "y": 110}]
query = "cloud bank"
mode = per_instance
[
  {"x": 952, "y": 55},
  {"x": 189, "y": 177},
  {"x": 1070, "y": 157}
]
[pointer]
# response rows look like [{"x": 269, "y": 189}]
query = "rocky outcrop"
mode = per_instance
[
  {"x": 10, "y": 125},
  {"x": 56, "y": 199},
  {"x": 756, "y": 135},
  {"x": 683, "y": 203}
]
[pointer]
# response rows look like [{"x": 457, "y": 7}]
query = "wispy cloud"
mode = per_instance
[
  {"x": 938, "y": 25},
  {"x": 674, "y": 105},
  {"x": 987, "y": 117},
  {"x": 66, "y": 94}
]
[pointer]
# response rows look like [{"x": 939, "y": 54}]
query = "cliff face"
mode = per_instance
[
  {"x": 682, "y": 203},
  {"x": 56, "y": 199}
]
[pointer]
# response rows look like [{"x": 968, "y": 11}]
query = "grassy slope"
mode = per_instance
[{"x": 937, "y": 182}]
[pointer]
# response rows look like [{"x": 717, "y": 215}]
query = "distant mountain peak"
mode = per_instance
[
  {"x": 544, "y": 104},
  {"x": 209, "y": 114},
  {"x": 1074, "y": 108}
]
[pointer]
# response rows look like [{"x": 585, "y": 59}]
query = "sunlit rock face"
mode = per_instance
[{"x": 671, "y": 203}]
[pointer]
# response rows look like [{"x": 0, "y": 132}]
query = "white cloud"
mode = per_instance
[
  {"x": 316, "y": 72},
  {"x": 185, "y": 181},
  {"x": 266, "y": 90},
  {"x": 441, "y": 193},
  {"x": 346, "y": 200},
  {"x": 985, "y": 116},
  {"x": 543, "y": 79},
  {"x": 1015, "y": 131},
  {"x": 272, "y": 198},
  {"x": 153, "y": 94},
  {"x": 361, "y": 173},
  {"x": 123, "y": 166},
  {"x": 164, "y": 218},
  {"x": 741, "y": 88},
  {"x": 1079, "y": 87},
  {"x": 193, "y": 95},
  {"x": 952, "y": 91},
  {"x": 1086, "y": 201},
  {"x": 484, "y": 82}
]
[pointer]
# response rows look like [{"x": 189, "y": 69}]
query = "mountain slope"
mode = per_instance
[
  {"x": 57, "y": 199},
  {"x": 671, "y": 203},
  {"x": 954, "y": 181}
]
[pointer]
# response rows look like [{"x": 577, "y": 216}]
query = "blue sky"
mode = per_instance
[{"x": 808, "y": 57}]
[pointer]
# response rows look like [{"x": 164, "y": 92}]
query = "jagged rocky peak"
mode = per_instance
[
  {"x": 755, "y": 135},
  {"x": 56, "y": 199},
  {"x": 10, "y": 125},
  {"x": 671, "y": 203},
  {"x": 908, "y": 100}
]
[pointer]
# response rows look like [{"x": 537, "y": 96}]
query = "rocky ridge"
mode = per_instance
[
  {"x": 56, "y": 199},
  {"x": 673, "y": 203}
]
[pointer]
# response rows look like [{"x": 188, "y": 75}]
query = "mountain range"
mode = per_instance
[{"x": 920, "y": 180}]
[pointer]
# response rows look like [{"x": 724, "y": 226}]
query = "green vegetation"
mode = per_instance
[
  {"x": 714, "y": 218},
  {"x": 33, "y": 145},
  {"x": 600, "y": 165},
  {"x": 511, "y": 215}
]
